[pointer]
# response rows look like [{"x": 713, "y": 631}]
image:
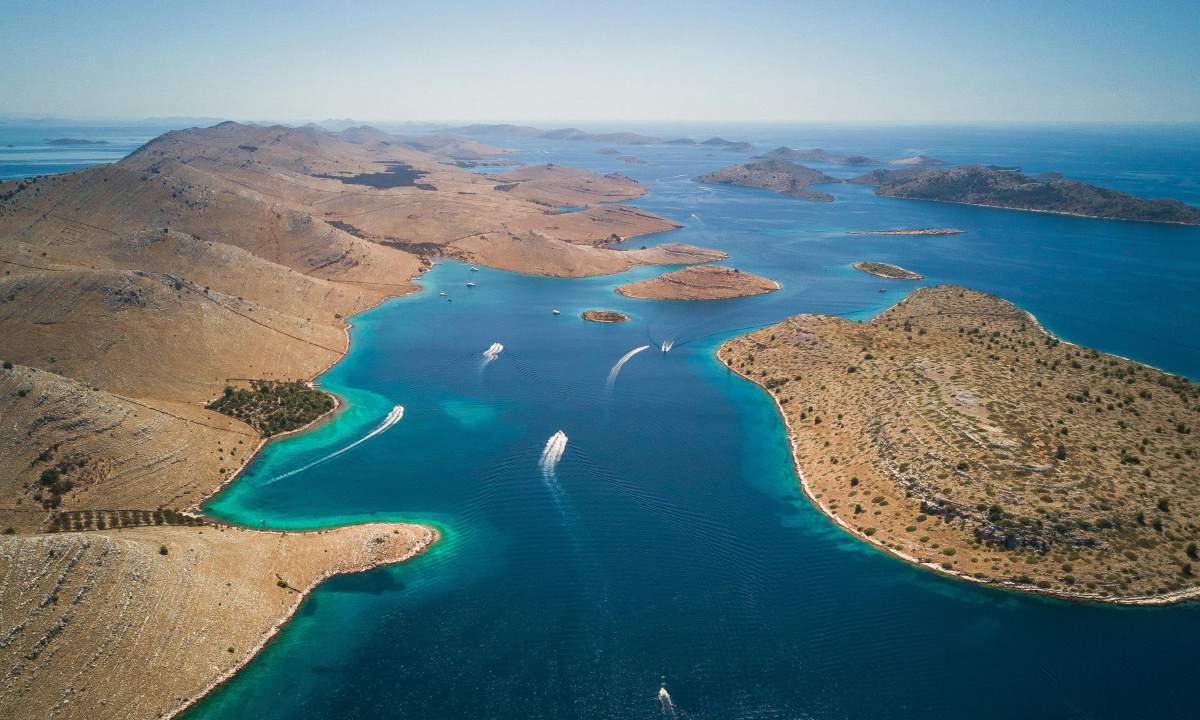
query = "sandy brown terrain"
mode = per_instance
[
  {"x": 887, "y": 270},
  {"x": 953, "y": 431},
  {"x": 92, "y": 622},
  {"x": 704, "y": 282}
]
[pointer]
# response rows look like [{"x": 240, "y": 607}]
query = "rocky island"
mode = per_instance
[
  {"x": 780, "y": 176},
  {"x": 730, "y": 145},
  {"x": 75, "y": 141},
  {"x": 703, "y": 282},
  {"x": 570, "y": 133},
  {"x": 887, "y": 270},
  {"x": 953, "y": 431},
  {"x": 1009, "y": 188},
  {"x": 915, "y": 160},
  {"x": 604, "y": 316},
  {"x": 817, "y": 155},
  {"x": 911, "y": 231}
]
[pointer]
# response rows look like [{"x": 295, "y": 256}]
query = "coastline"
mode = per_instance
[
  {"x": 196, "y": 509},
  {"x": 432, "y": 535},
  {"x": 1165, "y": 599}
]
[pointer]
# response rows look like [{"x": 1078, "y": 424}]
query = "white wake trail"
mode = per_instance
[
  {"x": 553, "y": 452},
  {"x": 664, "y": 699},
  {"x": 616, "y": 369},
  {"x": 391, "y": 419},
  {"x": 491, "y": 354}
]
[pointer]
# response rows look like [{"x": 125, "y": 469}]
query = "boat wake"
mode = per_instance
[
  {"x": 392, "y": 418},
  {"x": 552, "y": 453},
  {"x": 664, "y": 701},
  {"x": 616, "y": 369},
  {"x": 491, "y": 354}
]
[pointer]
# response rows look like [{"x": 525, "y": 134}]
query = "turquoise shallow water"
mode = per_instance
[{"x": 672, "y": 543}]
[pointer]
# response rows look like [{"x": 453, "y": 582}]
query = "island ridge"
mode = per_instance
[{"x": 953, "y": 431}]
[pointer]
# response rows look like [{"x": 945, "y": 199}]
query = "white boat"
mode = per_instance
[
  {"x": 442, "y": 293},
  {"x": 470, "y": 284},
  {"x": 474, "y": 269},
  {"x": 555, "y": 311}
]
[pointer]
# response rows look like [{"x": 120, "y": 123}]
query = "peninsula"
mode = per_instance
[
  {"x": 133, "y": 292},
  {"x": 780, "y": 176},
  {"x": 703, "y": 282},
  {"x": 1009, "y": 188},
  {"x": 953, "y": 431},
  {"x": 887, "y": 270}
]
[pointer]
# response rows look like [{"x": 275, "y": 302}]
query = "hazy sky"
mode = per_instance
[{"x": 604, "y": 62}]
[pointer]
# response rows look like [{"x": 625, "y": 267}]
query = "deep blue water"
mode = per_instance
[
  {"x": 25, "y": 150},
  {"x": 672, "y": 544}
]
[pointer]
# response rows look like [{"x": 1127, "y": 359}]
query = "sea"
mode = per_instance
[{"x": 663, "y": 563}]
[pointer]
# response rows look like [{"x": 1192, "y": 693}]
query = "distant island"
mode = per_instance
[
  {"x": 604, "y": 316},
  {"x": 631, "y": 160},
  {"x": 701, "y": 282},
  {"x": 910, "y": 231},
  {"x": 917, "y": 160},
  {"x": 1009, "y": 188},
  {"x": 619, "y": 138},
  {"x": 784, "y": 152},
  {"x": 730, "y": 145},
  {"x": 780, "y": 176},
  {"x": 887, "y": 270},
  {"x": 955, "y": 432},
  {"x": 616, "y": 138},
  {"x": 75, "y": 141}
]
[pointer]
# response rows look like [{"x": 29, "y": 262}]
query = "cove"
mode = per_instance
[{"x": 672, "y": 543}]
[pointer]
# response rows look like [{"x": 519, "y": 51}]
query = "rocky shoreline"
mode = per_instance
[{"x": 930, "y": 466}]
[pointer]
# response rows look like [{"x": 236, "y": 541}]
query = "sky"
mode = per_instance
[{"x": 604, "y": 62}]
